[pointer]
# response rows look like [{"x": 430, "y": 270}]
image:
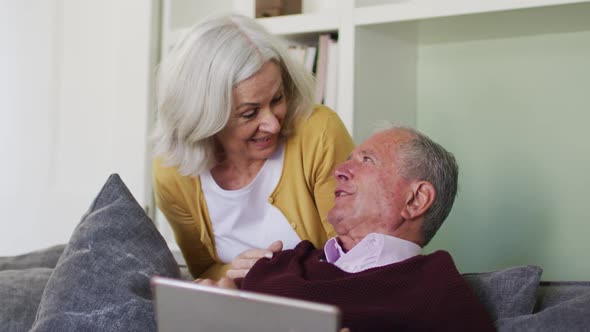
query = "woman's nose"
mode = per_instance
[{"x": 270, "y": 123}]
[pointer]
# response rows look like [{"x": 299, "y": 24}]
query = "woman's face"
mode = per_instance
[{"x": 258, "y": 110}]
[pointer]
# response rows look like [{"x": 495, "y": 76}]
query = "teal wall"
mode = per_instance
[{"x": 509, "y": 94}]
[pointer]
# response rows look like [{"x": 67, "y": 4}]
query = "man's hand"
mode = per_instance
[
  {"x": 244, "y": 262},
  {"x": 222, "y": 283}
]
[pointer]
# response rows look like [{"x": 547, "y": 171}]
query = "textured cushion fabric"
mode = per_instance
[
  {"x": 40, "y": 258},
  {"x": 102, "y": 280},
  {"x": 507, "y": 293},
  {"x": 570, "y": 315},
  {"x": 20, "y": 293},
  {"x": 185, "y": 273},
  {"x": 551, "y": 293},
  {"x": 22, "y": 280}
]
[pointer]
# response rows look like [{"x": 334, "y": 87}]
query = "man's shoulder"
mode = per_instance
[{"x": 439, "y": 256}]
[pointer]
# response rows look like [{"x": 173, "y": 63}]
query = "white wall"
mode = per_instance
[{"x": 74, "y": 100}]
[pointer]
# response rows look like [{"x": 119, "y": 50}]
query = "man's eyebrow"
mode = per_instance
[{"x": 371, "y": 154}]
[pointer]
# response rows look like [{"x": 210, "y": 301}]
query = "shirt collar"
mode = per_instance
[{"x": 374, "y": 250}]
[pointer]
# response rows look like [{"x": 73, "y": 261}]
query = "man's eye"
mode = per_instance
[
  {"x": 249, "y": 114},
  {"x": 367, "y": 159}
]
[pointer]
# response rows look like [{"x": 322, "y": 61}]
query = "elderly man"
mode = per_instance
[{"x": 393, "y": 194}]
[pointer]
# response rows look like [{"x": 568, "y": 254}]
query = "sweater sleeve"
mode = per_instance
[{"x": 170, "y": 200}]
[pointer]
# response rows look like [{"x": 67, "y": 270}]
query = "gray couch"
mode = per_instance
[
  {"x": 104, "y": 271},
  {"x": 518, "y": 301},
  {"x": 514, "y": 297}
]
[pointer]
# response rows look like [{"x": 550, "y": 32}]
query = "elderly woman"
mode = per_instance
[{"x": 244, "y": 160}]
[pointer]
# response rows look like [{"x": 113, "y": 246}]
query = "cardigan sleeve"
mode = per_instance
[
  {"x": 335, "y": 146},
  {"x": 171, "y": 200}
]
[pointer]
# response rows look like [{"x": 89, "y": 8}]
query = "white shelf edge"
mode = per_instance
[
  {"x": 280, "y": 25},
  {"x": 301, "y": 23},
  {"x": 424, "y": 9}
]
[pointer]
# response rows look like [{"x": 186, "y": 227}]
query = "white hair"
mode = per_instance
[{"x": 195, "y": 83}]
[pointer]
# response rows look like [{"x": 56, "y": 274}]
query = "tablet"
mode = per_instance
[{"x": 186, "y": 306}]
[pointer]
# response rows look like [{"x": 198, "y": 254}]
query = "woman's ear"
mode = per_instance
[{"x": 421, "y": 198}]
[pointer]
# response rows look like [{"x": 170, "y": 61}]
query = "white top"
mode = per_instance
[
  {"x": 244, "y": 219},
  {"x": 374, "y": 250}
]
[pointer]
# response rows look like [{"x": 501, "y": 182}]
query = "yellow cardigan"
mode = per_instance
[{"x": 304, "y": 194}]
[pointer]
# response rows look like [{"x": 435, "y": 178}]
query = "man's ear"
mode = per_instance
[{"x": 419, "y": 200}]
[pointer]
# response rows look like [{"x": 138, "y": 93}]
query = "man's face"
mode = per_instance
[{"x": 370, "y": 194}]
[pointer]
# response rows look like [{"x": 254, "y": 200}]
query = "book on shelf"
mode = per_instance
[
  {"x": 321, "y": 65},
  {"x": 310, "y": 58},
  {"x": 331, "y": 88},
  {"x": 322, "y": 60},
  {"x": 297, "y": 52},
  {"x": 303, "y": 54},
  {"x": 327, "y": 71}
]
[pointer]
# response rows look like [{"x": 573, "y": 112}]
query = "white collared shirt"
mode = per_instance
[{"x": 373, "y": 251}]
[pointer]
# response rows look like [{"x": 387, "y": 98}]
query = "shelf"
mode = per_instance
[
  {"x": 424, "y": 9},
  {"x": 301, "y": 23}
]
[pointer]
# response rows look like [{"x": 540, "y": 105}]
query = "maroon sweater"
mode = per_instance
[{"x": 420, "y": 293}]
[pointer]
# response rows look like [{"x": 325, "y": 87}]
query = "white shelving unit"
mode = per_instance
[{"x": 375, "y": 38}]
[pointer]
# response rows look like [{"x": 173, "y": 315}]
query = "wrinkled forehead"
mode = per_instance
[{"x": 386, "y": 144}]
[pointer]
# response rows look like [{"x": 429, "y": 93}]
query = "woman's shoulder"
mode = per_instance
[
  {"x": 167, "y": 175},
  {"x": 320, "y": 115},
  {"x": 160, "y": 170},
  {"x": 320, "y": 120}
]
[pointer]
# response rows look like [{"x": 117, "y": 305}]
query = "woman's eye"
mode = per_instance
[
  {"x": 277, "y": 99},
  {"x": 249, "y": 114}
]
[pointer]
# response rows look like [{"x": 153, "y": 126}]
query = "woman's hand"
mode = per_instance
[
  {"x": 223, "y": 283},
  {"x": 244, "y": 262}
]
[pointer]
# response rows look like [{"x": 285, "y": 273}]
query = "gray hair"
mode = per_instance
[
  {"x": 195, "y": 82},
  {"x": 424, "y": 159}
]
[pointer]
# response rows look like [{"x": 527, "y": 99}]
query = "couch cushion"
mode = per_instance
[
  {"x": 567, "y": 311},
  {"x": 20, "y": 293},
  {"x": 551, "y": 293},
  {"x": 102, "y": 280},
  {"x": 41, "y": 258},
  {"x": 507, "y": 293}
]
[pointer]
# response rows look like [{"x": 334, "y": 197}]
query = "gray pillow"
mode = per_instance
[
  {"x": 22, "y": 280},
  {"x": 570, "y": 315},
  {"x": 552, "y": 293},
  {"x": 102, "y": 280},
  {"x": 20, "y": 293},
  {"x": 507, "y": 293},
  {"x": 41, "y": 258}
]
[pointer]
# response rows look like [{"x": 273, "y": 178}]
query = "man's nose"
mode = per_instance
[
  {"x": 342, "y": 172},
  {"x": 269, "y": 123}
]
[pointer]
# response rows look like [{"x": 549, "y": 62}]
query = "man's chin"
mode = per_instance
[{"x": 335, "y": 220}]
